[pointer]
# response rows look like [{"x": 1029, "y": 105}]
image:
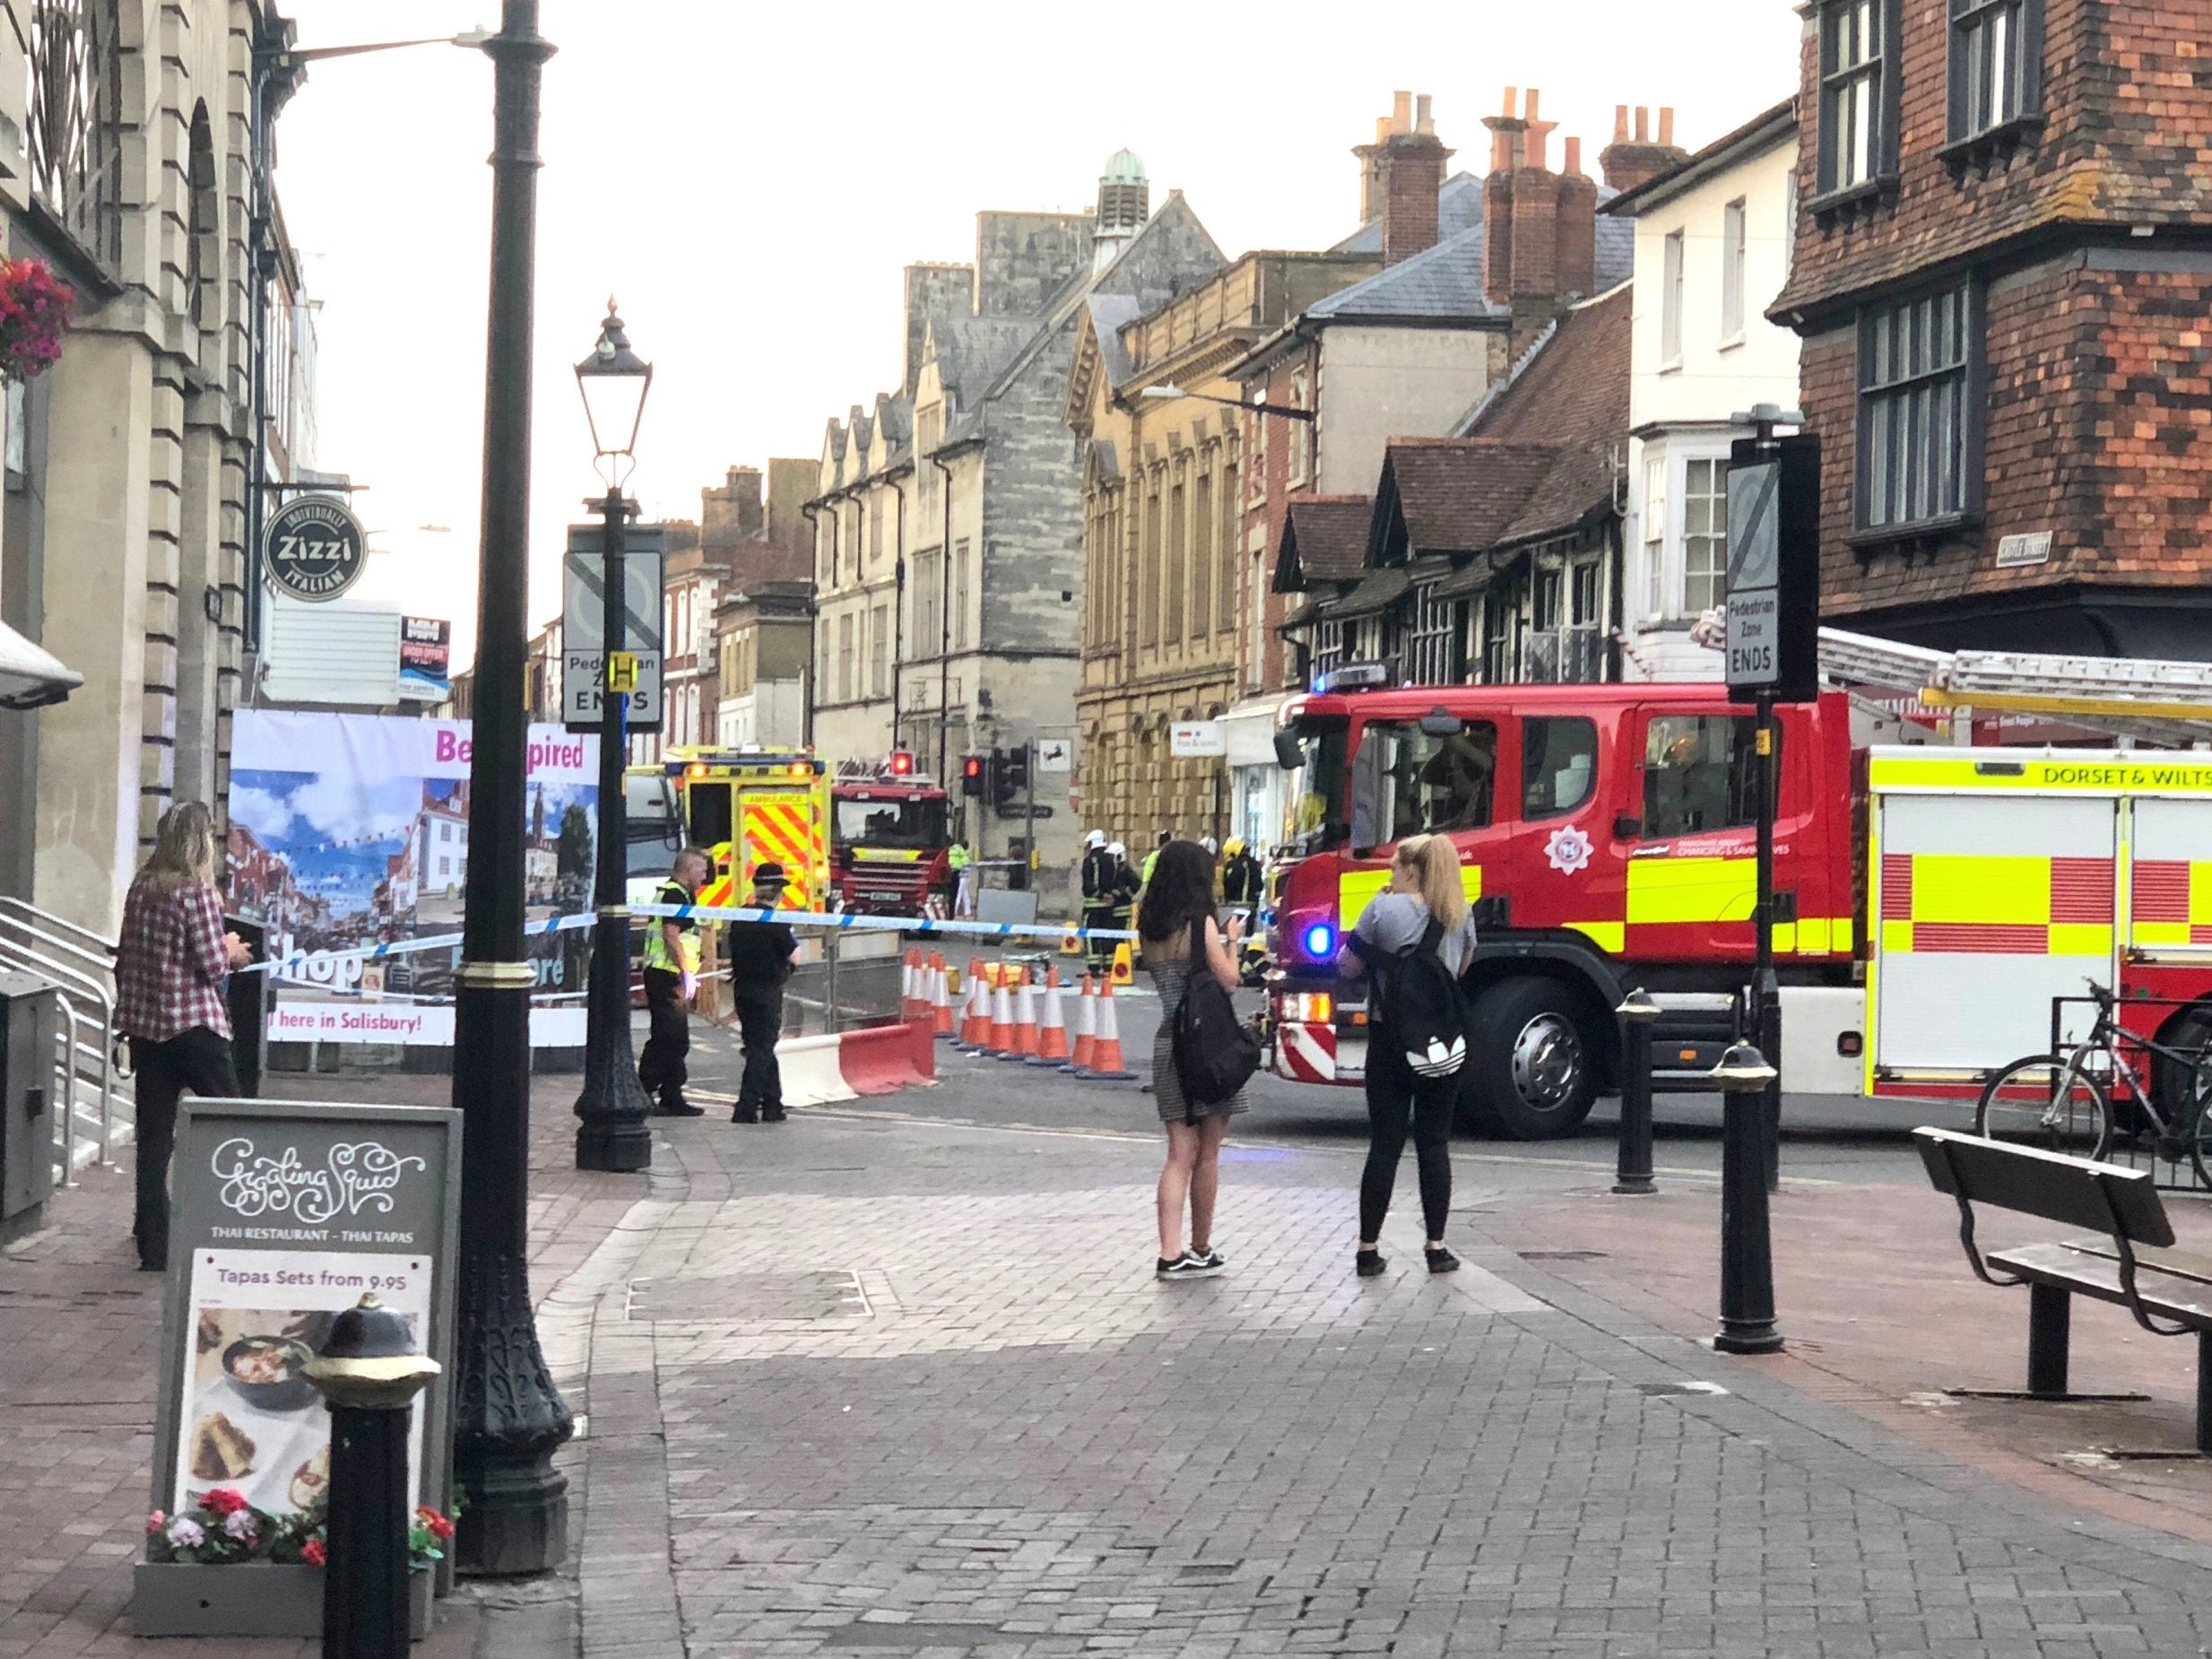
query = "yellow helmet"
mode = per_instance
[{"x": 1233, "y": 847}]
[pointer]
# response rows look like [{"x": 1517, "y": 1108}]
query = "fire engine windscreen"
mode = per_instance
[
  {"x": 1407, "y": 781},
  {"x": 903, "y": 824},
  {"x": 1317, "y": 820}
]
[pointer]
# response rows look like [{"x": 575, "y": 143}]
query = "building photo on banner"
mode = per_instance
[{"x": 352, "y": 831}]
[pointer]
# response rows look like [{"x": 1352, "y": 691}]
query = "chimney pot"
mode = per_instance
[
  {"x": 1423, "y": 122},
  {"x": 1513, "y": 96},
  {"x": 1643, "y": 125},
  {"x": 1666, "y": 124},
  {"x": 1534, "y": 94},
  {"x": 1573, "y": 164},
  {"x": 1401, "y": 112},
  {"x": 1620, "y": 123}
]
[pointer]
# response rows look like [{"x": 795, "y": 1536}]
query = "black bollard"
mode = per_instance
[
  {"x": 1633, "y": 1171},
  {"x": 369, "y": 1373},
  {"x": 1747, "y": 1255}
]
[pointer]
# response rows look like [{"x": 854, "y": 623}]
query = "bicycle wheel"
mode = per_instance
[{"x": 2047, "y": 1101}]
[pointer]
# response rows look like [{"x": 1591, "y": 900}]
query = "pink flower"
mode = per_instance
[
  {"x": 155, "y": 1523},
  {"x": 239, "y": 1524},
  {"x": 186, "y": 1533},
  {"x": 313, "y": 1554}
]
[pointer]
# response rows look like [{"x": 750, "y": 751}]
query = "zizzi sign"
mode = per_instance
[{"x": 313, "y": 548}]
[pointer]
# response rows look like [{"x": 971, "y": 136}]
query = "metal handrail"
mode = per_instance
[
  {"x": 66, "y": 975},
  {"x": 95, "y": 943}
]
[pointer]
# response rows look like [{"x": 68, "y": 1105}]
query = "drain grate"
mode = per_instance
[
  {"x": 1563, "y": 1256},
  {"x": 749, "y": 1296}
]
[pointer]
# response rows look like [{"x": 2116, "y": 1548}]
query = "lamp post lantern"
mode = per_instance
[
  {"x": 508, "y": 1415},
  {"x": 614, "y": 1106}
]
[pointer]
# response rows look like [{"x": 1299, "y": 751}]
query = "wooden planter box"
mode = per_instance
[{"x": 251, "y": 1598}]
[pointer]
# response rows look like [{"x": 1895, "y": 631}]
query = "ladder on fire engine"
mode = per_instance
[{"x": 2165, "y": 703}]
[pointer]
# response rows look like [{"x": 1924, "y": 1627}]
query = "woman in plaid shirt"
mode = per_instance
[{"x": 170, "y": 965}]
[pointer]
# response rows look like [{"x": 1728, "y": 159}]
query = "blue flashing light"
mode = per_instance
[{"x": 1320, "y": 941}]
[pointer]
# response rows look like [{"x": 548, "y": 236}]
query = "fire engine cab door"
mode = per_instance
[
  {"x": 1987, "y": 907},
  {"x": 2169, "y": 878}
]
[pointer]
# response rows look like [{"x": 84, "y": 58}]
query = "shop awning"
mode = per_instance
[{"x": 30, "y": 676}]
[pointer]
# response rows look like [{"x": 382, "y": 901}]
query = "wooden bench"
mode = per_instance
[{"x": 2129, "y": 1261}]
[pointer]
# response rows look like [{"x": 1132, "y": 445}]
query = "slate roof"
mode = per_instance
[
  {"x": 1452, "y": 495},
  {"x": 1459, "y": 207},
  {"x": 1324, "y": 539},
  {"x": 1447, "y": 280},
  {"x": 1377, "y": 591},
  {"x": 972, "y": 352},
  {"x": 1108, "y": 312}
]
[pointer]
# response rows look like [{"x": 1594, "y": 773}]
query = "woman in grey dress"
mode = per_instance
[{"x": 1180, "y": 895}]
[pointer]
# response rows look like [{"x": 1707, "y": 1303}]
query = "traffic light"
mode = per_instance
[
  {"x": 1010, "y": 775},
  {"x": 902, "y": 763},
  {"x": 971, "y": 775}
]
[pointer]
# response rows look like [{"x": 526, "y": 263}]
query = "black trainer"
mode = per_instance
[
  {"x": 774, "y": 1115},
  {"x": 1368, "y": 1263},
  {"x": 682, "y": 1108},
  {"x": 1187, "y": 1266},
  {"x": 745, "y": 1114},
  {"x": 1440, "y": 1260}
]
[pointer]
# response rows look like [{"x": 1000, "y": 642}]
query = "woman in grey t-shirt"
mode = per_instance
[{"x": 1425, "y": 885}]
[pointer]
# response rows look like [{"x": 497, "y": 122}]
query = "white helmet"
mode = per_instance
[
  {"x": 1118, "y": 850},
  {"x": 1206, "y": 842},
  {"x": 1094, "y": 839}
]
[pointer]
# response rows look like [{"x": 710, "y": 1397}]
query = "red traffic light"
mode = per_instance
[
  {"x": 972, "y": 767},
  {"x": 902, "y": 763}
]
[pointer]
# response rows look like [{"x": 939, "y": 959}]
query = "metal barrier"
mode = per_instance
[{"x": 82, "y": 965}]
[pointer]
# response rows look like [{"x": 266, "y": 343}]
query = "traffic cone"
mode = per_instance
[
  {"x": 976, "y": 1029},
  {"x": 1086, "y": 1027},
  {"x": 1106, "y": 1058},
  {"x": 914, "y": 997},
  {"x": 1001, "y": 1039},
  {"x": 1124, "y": 969},
  {"x": 1051, "y": 1026},
  {"x": 1025, "y": 1020},
  {"x": 940, "y": 1002}
]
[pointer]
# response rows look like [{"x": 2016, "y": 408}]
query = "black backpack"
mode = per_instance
[
  {"x": 1215, "y": 1051},
  {"x": 1424, "y": 1016}
]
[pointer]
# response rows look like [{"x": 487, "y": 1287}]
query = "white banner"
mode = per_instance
[{"x": 407, "y": 1025}]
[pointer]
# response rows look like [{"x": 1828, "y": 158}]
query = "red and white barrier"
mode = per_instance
[{"x": 820, "y": 1071}]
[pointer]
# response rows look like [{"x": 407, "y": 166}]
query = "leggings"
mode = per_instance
[{"x": 1396, "y": 1099}]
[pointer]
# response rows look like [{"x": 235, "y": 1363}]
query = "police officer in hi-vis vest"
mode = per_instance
[{"x": 671, "y": 980}]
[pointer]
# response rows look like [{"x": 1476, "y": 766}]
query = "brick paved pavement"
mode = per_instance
[{"x": 860, "y": 1385}]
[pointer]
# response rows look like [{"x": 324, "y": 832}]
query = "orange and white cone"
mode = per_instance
[
  {"x": 1106, "y": 1056},
  {"x": 1086, "y": 1027},
  {"x": 939, "y": 999},
  {"x": 975, "y": 1024},
  {"x": 1025, "y": 1020},
  {"x": 913, "y": 997},
  {"x": 1051, "y": 1026},
  {"x": 1002, "y": 1040}
]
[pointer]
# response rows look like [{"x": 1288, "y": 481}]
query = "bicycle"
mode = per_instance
[{"x": 2063, "y": 1102}]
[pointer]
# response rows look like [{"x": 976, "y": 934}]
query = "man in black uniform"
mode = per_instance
[
  {"x": 1099, "y": 871},
  {"x": 671, "y": 968},
  {"x": 761, "y": 957}
]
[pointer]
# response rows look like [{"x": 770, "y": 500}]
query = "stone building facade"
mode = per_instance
[
  {"x": 123, "y": 542},
  {"x": 975, "y": 593},
  {"x": 2002, "y": 276}
]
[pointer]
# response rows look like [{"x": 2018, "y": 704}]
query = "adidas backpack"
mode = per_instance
[{"x": 1424, "y": 1018}]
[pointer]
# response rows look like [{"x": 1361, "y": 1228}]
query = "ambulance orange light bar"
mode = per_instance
[{"x": 698, "y": 768}]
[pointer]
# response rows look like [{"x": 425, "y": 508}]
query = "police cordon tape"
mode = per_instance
[{"x": 714, "y": 913}]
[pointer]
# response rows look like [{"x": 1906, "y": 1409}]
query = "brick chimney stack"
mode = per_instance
[
  {"x": 1507, "y": 132},
  {"x": 1400, "y": 176},
  {"x": 1628, "y": 162},
  {"x": 1578, "y": 225},
  {"x": 1541, "y": 246}
]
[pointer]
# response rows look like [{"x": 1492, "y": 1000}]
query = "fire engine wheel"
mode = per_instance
[{"x": 1534, "y": 1071}]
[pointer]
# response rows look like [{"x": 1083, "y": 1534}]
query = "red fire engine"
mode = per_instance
[
  {"x": 1930, "y": 901},
  {"x": 890, "y": 835}
]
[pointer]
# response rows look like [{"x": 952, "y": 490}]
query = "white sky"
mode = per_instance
[{"x": 748, "y": 181}]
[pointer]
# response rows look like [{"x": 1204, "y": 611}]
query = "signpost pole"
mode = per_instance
[{"x": 613, "y": 1134}]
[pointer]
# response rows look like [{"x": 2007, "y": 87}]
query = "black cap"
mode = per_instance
[{"x": 762, "y": 874}]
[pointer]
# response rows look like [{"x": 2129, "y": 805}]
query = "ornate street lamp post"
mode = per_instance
[
  {"x": 507, "y": 1416},
  {"x": 614, "y": 381}
]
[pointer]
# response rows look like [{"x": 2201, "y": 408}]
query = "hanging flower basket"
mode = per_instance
[{"x": 34, "y": 309}]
